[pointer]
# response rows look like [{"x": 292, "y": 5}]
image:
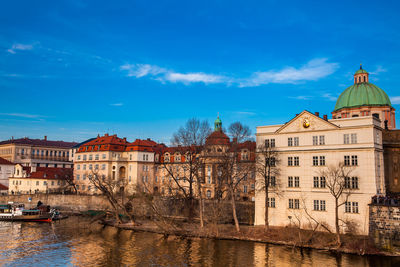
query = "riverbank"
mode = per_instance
[{"x": 291, "y": 237}]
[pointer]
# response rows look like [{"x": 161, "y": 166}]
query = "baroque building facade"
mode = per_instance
[
  {"x": 307, "y": 145},
  {"x": 37, "y": 152}
]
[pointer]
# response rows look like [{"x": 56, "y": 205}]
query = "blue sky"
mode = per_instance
[{"x": 140, "y": 69}]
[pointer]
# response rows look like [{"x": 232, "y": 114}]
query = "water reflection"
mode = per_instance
[{"x": 79, "y": 242}]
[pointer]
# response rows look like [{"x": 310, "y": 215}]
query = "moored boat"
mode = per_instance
[{"x": 17, "y": 212}]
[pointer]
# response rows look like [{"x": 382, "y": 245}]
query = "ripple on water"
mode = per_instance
[{"x": 78, "y": 242}]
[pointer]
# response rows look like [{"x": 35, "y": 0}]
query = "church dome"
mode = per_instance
[{"x": 362, "y": 93}]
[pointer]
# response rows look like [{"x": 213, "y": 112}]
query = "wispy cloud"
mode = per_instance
[
  {"x": 329, "y": 97},
  {"x": 301, "y": 97},
  {"x": 164, "y": 75},
  {"x": 117, "y": 104},
  {"x": 23, "y": 115},
  {"x": 246, "y": 113},
  {"x": 311, "y": 71},
  {"x": 21, "y": 47},
  {"x": 395, "y": 100},
  {"x": 379, "y": 69}
]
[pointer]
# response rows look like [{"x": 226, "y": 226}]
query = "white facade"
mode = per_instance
[
  {"x": 6, "y": 170},
  {"x": 305, "y": 146}
]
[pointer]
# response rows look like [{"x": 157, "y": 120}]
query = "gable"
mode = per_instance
[{"x": 306, "y": 121}]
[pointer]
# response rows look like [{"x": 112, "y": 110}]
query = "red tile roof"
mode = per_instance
[
  {"x": 217, "y": 138},
  {"x": 5, "y": 162},
  {"x": 142, "y": 145},
  {"x": 104, "y": 143},
  {"x": 3, "y": 187},
  {"x": 51, "y": 173},
  {"x": 39, "y": 142}
]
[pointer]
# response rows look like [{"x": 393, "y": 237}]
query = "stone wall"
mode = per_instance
[
  {"x": 64, "y": 202},
  {"x": 384, "y": 226},
  {"x": 222, "y": 213}
]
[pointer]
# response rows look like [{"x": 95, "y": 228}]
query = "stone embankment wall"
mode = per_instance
[
  {"x": 63, "y": 202},
  {"x": 213, "y": 212},
  {"x": 384, "y": 226}
]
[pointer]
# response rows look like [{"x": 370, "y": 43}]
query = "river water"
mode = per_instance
[{"x": 78, "y": 242}]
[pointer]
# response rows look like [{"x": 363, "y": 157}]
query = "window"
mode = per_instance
[
  {"x": 296, "y": 141},
  {"x": 320, "y": 205},
  {"x": 272, "y": 181},
  {"x": 351, "y": 207},
  {"x": 78, "y": 167},
  {"x": 22, "y": 151},
  {"x": 52, "y": 182},
  {"x": 290, "y": 141},
  {"x": 296, "y": 161},
  {"x": 354, "y": 182},
  {"x": 269, "y": 142},
  {"x": 245, "y": 189},
  {"x": 77, "y": 177},
  {"x": 271, "y": 202},
  {"x": 347, "y": 160},
  {"x": 322, "y": 139},
  {"x": 296, "y": 181},
  {"x": 294, "y": 203},
  {"x": 96, "y": 157},
  {"x": 90, "y": 166},
  {"x": 322, "y": 160},
  {"x": 315, "y": 161},
  {"x": 319, "y": 182},
  {"x": 290, "y": 161},
  {"x": 44, "y": 182},
  {"x": 83, "y": 176},
  {"x": 316, "y": 181},
  {"x": 96, "y": 167},
  {"x": 354, "y": 160},
  {"x": 83, "y": 187},
  {"x": 90, "y": 157},
  {"x": 103, "y": 156},
  {"x": 354, "y": 138},
  {"x": 79, "y": 157},
  {"x": 37, "y": 182},
  {"x": 208, "y": 194},
  {"x": 290, "y": 181},
  {"x": 270, "y": 161},
  {"x": 253, "y": 186},
  {"x": 103, "y": 166},
  {"x": 84, "y": 157},
  {"x": 315, "y": 140},
  {"x": 346, "y": 139}
]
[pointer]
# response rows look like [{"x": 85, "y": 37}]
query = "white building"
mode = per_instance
[
  {"x": 6, "y": 170},
  {"x": 308, "y": 144}
]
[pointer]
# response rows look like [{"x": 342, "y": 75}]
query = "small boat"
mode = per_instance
[{"x": 16, "y": 212}]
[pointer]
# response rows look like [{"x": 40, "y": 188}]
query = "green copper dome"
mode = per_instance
[
  {"x": 361, "y": 71},
  {"x": 362, "y": 94},
  {"x": 218, "y": 124}
]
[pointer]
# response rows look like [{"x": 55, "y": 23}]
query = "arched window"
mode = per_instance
[
  {"x": 359, "y": 79},
  {"x": 208, "y": 194},
  {"x": 365, "y": 78}
]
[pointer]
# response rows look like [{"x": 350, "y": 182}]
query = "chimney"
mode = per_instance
[
  {"x": 317, "y": 114},
  {"x": 33, "y": 168},
  {"x": 297, "y": 114},
  {"x": 45, "y": 138},
  {"x": 148, "y": 139},
  {"x": 234, "y": 140},
  {"x": 124, "y": 139},
  {"x": 326, "y": 117}
]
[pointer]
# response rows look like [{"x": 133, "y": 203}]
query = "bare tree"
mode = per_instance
[
  {"x": 111, "y": 189},
  {"x": 267, "y": 163},
  {"x": 190, "y": 141},
  {"x": 235, "y": 169},
  {"x": 338, "y": 183},
  {"x": 68, "y": 177}
]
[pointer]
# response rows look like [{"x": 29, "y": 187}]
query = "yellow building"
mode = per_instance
[
  {"x": 29, "y": 180},
  {"x": 37, "y": 152}
]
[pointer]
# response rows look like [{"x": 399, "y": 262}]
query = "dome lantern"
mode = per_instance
[{"x": 361, "y": 76}]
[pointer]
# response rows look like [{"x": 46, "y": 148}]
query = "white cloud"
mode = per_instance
[
  {"x": 329, "y": 97},
  {"x": 379, "y": 69},
  {"x": 141, "y": 70},
  {"x": 246, "y": 113},
  {"x": 301, "y": 97},
  {"x": 312, "y": 71},
  {"x": 22, "y": 115},
  {"x": 21, "y": 47},
  {"x": 161, "y": 74},
  {"x": 395, "y": 100},
  {"x": 117, "y": 104},
  {"x": 193, "y": 77}
]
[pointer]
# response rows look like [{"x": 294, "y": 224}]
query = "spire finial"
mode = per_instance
[{"x": 360, "y": 66}]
